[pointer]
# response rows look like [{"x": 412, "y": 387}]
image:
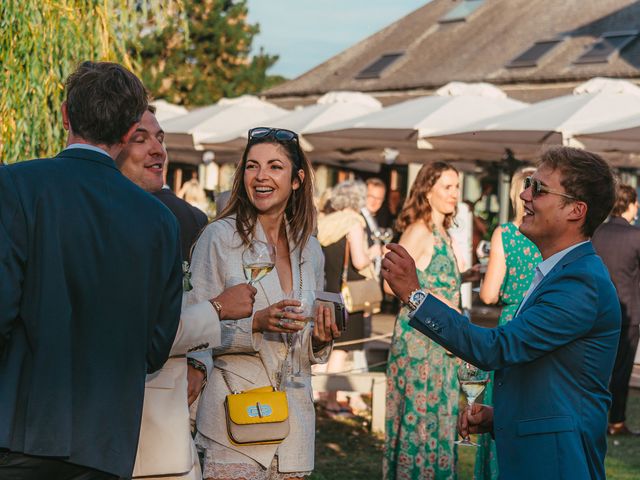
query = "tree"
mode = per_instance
[
  {"x": 41, "y": 43},
  {"x": 211, "y": 61}
]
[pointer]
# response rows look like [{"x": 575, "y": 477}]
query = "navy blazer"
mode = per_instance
[
  {"x": 552, "y": 366},
  {"x": 90, "y": 293}
]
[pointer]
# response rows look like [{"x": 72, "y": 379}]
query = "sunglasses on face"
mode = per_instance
[
  {"x": 280, "y": 134},
  {"x": 538, "y": 189}
]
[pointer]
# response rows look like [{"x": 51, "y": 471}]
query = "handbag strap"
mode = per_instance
[{"x": 345, "y": 265}]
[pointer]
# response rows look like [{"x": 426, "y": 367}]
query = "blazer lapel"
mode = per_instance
[{"x": 576, "y": 253}]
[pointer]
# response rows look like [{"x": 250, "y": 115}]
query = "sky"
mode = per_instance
[{"x": 305, "y": 33}]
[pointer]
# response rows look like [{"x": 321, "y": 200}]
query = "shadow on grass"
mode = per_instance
[{"x": 347, "y": 450}]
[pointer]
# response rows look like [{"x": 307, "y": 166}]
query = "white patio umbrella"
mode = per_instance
[
  {"x": 166, "y": 110},
  {"x": 620, "y": 135},
  {"x": 551, "y": 122},
  {"x": 330, "y": 108},
  {"x": 400, "y": 125},
  {"x": 220, "y": 121}
]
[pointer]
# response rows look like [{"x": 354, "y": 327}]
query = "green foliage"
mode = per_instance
[
  {"x": 41, "y": 43},
  {"x": 212, "y": 61}
]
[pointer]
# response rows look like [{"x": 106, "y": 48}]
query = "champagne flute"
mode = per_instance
[
  {"x": 386, "y": 235},
  {"x": 472, "y": 381},
  {"x": 307, "y": 300},
  {"x": 258, "y": 259}
]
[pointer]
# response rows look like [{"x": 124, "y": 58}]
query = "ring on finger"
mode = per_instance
[
  {"x": 280, "y": 315},
  {"x": 280, "y": 323}
]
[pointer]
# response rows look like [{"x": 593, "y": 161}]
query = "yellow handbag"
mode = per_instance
[{"x": 257, "y": 417}]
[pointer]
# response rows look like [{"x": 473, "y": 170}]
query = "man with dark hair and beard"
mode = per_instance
[
  {"x": 90, "y": 291},
  {"x": 553, "y": 361}
]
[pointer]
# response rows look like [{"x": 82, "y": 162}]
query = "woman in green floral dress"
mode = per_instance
[
  {"x": 422, "y": 386},
  {"x": 512, "y": 263}
]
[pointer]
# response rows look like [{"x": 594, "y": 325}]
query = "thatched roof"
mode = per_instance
[{"x": 479, "y": 49}]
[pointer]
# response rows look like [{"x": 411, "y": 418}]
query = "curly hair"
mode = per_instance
[
  {"x": 625, "y": 196},
  {"x": 349, "y": 194},
  {"x": 417, "y": 206}
]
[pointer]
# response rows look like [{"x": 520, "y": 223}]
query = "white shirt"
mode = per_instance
[{"x": 88, "y": 147}]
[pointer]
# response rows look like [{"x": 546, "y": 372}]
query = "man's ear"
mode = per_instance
[
  {"x": 65, "y": 116},
  {"x": 578, "y": 211},
  {"x": 299, "y": 180},
  {"x": 127, "y": 136}
]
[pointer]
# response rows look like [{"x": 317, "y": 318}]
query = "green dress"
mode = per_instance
[
  {"x": 422, "y": 387},
  {"x": 521, "y": 257}
]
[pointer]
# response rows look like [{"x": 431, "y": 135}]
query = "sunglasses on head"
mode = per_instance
[
  {"x": 281, "y": 134},
  {"x": 537, "y": 188}
]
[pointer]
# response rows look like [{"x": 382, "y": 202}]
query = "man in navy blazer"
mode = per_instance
[
  {"x": 90, "y": 292},
  {"x": 553, "y": 361}
]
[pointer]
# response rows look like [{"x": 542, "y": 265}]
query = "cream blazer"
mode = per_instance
[
  {"x": 165, "y": 446},
  {"x": 254, "y": 359}
]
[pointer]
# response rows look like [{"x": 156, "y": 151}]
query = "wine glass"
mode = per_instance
[
  {"x": 386, "y": 235},
  {"x": 472, "y": 381},
  {"x": 258, "y": 259},
  {"x": 307, "y": 300}
]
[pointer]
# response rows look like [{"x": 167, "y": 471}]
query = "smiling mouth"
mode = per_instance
[
  {"x": 528, "y": 212},
  {"x": 264, "y": 190},
  {"x": 154, "y": 166}
]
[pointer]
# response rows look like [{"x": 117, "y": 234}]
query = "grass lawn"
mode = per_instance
[{"x": 346, "y": 450}]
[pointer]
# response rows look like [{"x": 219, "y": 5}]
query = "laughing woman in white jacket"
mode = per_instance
[{"x": 271, "y": 201}]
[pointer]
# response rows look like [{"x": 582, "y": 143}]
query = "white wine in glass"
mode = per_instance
[
  {"x": 258, "y": 259},
  {"x": 472, "y": 381}
]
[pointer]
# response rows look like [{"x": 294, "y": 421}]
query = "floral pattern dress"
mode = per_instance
[
  {"x": 522, "y": 257},
  {"x": 422, "y": 386}
]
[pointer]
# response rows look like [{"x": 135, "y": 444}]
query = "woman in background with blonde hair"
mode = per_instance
[{"x": 512, "y": 262}]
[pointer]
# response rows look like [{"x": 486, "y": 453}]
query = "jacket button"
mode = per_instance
[{"x": 499, "y": 384}]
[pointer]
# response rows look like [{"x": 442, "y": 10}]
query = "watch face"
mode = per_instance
[{"x": 418, "y": 296}]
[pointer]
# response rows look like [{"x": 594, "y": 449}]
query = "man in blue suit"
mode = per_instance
[
  {"x": 553, "y": 361},
  {"x": 90, "y": 292}
]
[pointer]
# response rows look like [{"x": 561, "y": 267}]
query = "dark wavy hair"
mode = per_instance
[
  {"x": 417, "y": 207},
  {"x": 300, "y": 211},
  {"x": 587, "y": 177},
  {"x": 104, "y": 100},
  {"x": 625, "y": 196}
]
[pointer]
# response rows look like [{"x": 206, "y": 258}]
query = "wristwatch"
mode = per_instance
[{"x": 415, "y": 299}]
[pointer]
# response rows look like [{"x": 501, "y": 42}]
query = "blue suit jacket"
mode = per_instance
[
  {"x": 552, "y": 366},
  {"x": 90, "y": 292}
]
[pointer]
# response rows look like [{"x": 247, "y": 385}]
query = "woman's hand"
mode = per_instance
[
  {"x": 324, "y": 328},
  {"x": 275, "y": 319}
]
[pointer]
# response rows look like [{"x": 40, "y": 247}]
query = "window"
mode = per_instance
[
  {"x": 608, "y": 44},
  {"x": 376, "y": 68},
  {"x": 460, "y": 12},
  {"x": 532, "y": 55}
]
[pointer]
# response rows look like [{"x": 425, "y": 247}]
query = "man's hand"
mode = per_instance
[
  {"x": 399, "y": 271},
  {"x": 196, "y": 382},
  {"x": 477, "y": 418},
  {"x": 236, "y": 302}
]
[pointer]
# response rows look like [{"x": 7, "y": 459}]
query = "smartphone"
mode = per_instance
[{"x": 338, "y": 313}]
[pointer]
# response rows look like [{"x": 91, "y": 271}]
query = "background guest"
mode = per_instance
[
  {"x": 338, "y": 232},
  {"x": 512, "y": 262},
  {"x": 422, "y": 387},
  {"x": 618, "y": 244}
]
